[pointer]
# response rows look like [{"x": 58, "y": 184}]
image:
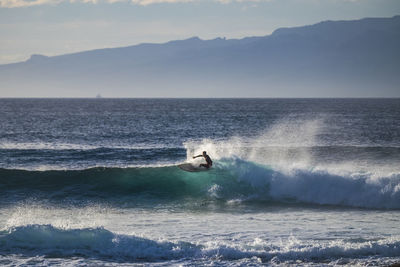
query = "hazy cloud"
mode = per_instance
[
  {"x": 27, "y": 3},
  {"x": 83, "y": 1},
  {"x": 242, "y": 1},
  {"x": 149, "y": 2}
]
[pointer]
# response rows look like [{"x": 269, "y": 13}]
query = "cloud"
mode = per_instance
[
  {"x": 83, "y": 1},
  {"x": 28, "y": 3},
  {"x": 149, "y": 2},
  {"x": 242, "y": 1}
]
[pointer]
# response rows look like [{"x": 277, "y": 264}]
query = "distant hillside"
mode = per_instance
[{"x": 358, "y": 58}]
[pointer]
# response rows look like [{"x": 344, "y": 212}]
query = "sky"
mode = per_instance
[{"x": 54, "y": 27}]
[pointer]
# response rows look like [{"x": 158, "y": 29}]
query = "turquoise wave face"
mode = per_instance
[
  {"x": 146, "y": 185},
  {"x": 105, "y": 183},
  {"x": 231, "y": 180}
]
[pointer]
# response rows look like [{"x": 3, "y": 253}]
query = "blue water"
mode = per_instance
[{"x": 294, "y": 181}]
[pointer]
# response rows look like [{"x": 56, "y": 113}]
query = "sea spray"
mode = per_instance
[{"x": 284, "y": 144}]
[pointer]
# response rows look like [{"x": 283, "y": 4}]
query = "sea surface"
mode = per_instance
[{"x": 295, "y": 182}]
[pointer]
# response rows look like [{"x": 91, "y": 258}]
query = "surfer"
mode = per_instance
[{"x": 207, "y": 158}]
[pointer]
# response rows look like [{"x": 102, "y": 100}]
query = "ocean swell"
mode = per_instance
[{"x": 231, "y": 179}]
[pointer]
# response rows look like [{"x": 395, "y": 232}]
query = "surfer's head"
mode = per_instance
[{"x": 204, "y": 153}]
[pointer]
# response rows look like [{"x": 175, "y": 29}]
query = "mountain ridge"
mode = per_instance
[{"x": 330, "y": 58}]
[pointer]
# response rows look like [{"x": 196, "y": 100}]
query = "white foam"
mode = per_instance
[
  {"x": 313, "y": 186},
  {"x": 100, "y": 243}
]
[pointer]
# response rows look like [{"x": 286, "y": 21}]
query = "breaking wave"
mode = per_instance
[
  {"x": 99, "y": 243},
  {"x": 231, "y": 179}
]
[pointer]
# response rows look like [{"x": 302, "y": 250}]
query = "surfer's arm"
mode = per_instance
[{"x": 197, "y": 156}]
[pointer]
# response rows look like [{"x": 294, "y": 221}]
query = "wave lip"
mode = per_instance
[
  {"x": 77, "y": 146},
  {"x": 81, "y": 157},
  {"x": 99, "y": 243}
]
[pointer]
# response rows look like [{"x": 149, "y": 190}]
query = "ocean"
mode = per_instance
[{"x": 95, "y": 182}]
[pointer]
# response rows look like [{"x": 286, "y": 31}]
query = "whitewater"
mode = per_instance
[{"x": 294, "y": 182}]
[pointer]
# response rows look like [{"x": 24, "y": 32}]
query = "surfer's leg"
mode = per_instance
[{"x": 204, "y": 165}]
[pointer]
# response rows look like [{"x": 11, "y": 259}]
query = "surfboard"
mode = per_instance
[{"x": 192, "y": 168}]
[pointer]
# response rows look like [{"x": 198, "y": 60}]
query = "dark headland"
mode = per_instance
[{"x": 327, "y": 59}]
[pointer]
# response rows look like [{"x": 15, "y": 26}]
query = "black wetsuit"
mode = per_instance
[{"x": 208, "y": 160}]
